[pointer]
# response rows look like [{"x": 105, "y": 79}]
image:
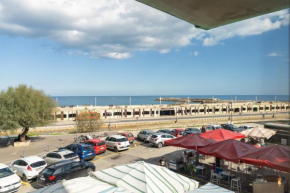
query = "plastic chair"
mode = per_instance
[
  {"x": 236, "y": 185},
  {"x": 215, "y": 178}
]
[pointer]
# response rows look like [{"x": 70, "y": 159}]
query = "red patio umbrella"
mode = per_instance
[
  {"x": 231, "y": 150},
  {"x": 276, "y": 156},
  {"x": 222, "y": 134},
  {"x": 191, "y": 141}
]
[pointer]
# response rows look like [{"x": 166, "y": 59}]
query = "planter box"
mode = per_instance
[{"x": 21, "y": 144}]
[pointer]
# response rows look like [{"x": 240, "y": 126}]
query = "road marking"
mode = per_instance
[{"x": 26, "y": 183}]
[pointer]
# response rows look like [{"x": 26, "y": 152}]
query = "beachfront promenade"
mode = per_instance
[{"x": 184, "y": 110}]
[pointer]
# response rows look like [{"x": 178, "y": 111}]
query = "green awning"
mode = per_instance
[{"x": 208, "y": 14}]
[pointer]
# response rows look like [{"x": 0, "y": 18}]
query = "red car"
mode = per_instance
[
  {"x": 177, "y": 132},
  {"x": 98, "y": 144},
  {"x": 129, "y": 136}
]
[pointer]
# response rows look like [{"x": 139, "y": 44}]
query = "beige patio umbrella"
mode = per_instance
[{"x": 259, "y": 133}]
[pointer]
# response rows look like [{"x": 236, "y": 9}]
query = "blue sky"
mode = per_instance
[{"x": 249, "y": 57}]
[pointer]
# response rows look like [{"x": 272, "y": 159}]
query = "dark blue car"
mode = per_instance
[{"x": 84, "y": 151}]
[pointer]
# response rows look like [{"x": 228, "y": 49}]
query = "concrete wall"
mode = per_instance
[{"x": 136, "y": 111}]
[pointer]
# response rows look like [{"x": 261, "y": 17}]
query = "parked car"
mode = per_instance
[
  {"x": 98, "y": 144},
  {"x": 128, "y": 135},
  {"x": 9, "y": 181},
  {"x": 117, "y": 143},
  {"x": 164, "y": 131},
  {"x": 29, "y": 167},
  {"x": 64, "y": 170},
  {"x": 59, "y": 155},
  {"x": 84, "y": 151},
  {"x": 230, "y": 127},
  {"x": 213, "y": 127},
  {"x": 177, "y": 132},
  {"x": 158, "y": 139},
  {"x": 244, "y": 127},
  {"x": 143, "y": 135},
  {"x": 191, "y": 131}
]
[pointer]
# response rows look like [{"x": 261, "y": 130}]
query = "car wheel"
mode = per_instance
[
  {"x": 90, "y": 171},
  {"x": 24, "y": 178},
  {"x": 115, "y": 149},
  {"x": 159, "y": 145}
]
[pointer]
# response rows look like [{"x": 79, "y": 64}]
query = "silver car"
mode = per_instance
[
  {"x": 60, "y": 155},
  {"x": 144, "y": 135},
  {"x": 158, "y": 139}
]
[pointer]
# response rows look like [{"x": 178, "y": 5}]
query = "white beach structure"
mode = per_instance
[{"x": 146, "y": 178}]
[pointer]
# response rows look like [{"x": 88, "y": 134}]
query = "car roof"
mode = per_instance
[
  {"x": 162, "y": 134},
  {"x": 117, "y": 136},
  {"x": 3, "y": 166},
  {"x": 179, "y": 129},
  {"x": 81, "y": 144},
  {"x": 192, "y": 128},
  {"x": 63, "y": 151},
  {"x": 95, "y": 140},
  {"x": 124, "y": 133},
  {"x": 32, "y": 159},
  {"x": 60, "y": 164}
]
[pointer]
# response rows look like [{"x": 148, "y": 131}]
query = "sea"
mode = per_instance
[{"x": 148, "y": 100}]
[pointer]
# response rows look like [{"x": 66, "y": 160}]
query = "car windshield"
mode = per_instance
[
  {"x": 70, "y": 155},
  {"x": 122, "y": 140},
  {"x": 154, "y": 136},
  {"x": 129, "y": 135},
  {"x": 101, "y": 143},
  {"x": 38, "y": 164},
  {"x": 5, "y": 172}
]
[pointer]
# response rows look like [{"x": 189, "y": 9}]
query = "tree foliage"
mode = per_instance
[
  {"x": 25, "y": 107},
  {"x": 88, "y": 121}
]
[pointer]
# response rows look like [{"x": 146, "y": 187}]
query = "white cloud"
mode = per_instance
[
  {"x": 254, "y": 26},
  {"x": 116, "y": 29},
  {"x": 274, "y": 54},
  {"x": 195, "y": 53},
  {"x": 164, "y": 51}
]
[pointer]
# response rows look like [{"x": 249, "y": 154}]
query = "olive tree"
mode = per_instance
[{"x": 25, "y": 107}]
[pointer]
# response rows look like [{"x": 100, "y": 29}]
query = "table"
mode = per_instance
[
  {"x": 201, "y": 168},
  {"x": 228, "y": 174}
]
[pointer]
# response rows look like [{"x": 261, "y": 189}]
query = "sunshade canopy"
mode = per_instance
[
  {"x": 222, "y": 134},
  {"x": 84, "y": 184},
  {"x": 207, "y": 14},
  {"x": 276, "y": 157},
  {"x": 231, "y": 150},
  {"x": 144, "y": 177},
  {"x": 209, "y": 187},
  {"x": 259, "y": 133},
  {"x": 191, "y": 141}
]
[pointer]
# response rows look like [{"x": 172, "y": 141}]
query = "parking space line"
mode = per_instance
[{"x": 26, "y": 183}]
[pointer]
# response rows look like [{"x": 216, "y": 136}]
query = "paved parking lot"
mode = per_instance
[{"x": 138, "y": 152}]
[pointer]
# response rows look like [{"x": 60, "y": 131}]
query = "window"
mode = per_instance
[
  {"x": 48, "y": 171},
  {"x": 70, "y": 155},
  {"x": 75, "y": 165},
  {"x": 70, "y": 147},
  {"x": 113, "y": 139},
  {"x": 173, "y": 131},
  {"x": 4, "y": 172},
  {"x": 66, "y": 167},
  {"x": 130, "y": 135},
  {"x": 163, "y": 136},
  {"x": 169, "y": 136},
  {"x": 122, "y": 140},
  {"x": 38, "y": 164},
  {"x": 22, "y": 163},
  {"x": 90, "y": 143},
  {"x": 87, "y": 148},
  {"x": 50, "y": 155},
  {"x": 101, "y": 143}
]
